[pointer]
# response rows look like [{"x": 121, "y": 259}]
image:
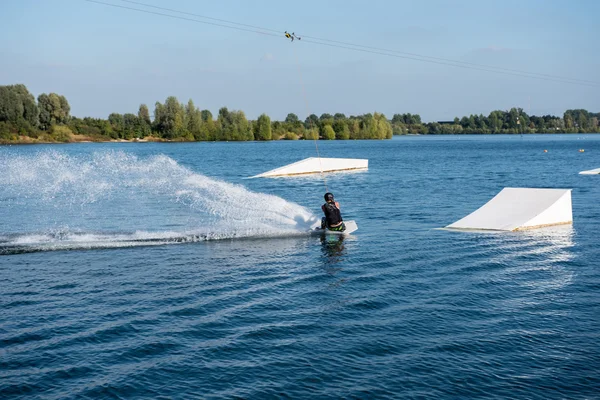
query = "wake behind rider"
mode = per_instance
[{"x": 333, "y": 217}]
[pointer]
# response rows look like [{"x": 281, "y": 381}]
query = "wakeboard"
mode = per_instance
[{"x": 350, "y": 227}]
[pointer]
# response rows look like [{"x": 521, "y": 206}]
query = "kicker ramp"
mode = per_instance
[
  {"x": 314, "y": 165},
  {"x": 591, "y": 172},
  {"x": 515, "y": 209}
]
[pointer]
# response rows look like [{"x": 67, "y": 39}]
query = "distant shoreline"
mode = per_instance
[
  {"x": 25, "y": 120},
  {"x": 46, "y": 140},
  {"x": 26, "y": 140}
]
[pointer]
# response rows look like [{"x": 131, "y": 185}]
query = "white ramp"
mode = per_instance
[
  {"x": 591, "y": 172},
  {"x": 314, "y": 165},
  {"x": 515, "y": 209}
]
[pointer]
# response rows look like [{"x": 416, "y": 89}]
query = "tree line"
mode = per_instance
[
  {"x": 514, "y": 121},
  {"x": 48, "y": 119}
]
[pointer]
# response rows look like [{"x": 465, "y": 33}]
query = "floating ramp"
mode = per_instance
[
  {"x": 515, "y": 209},
  {"x": 591, "y": 172},
  {"x": 314, "y": 165}
]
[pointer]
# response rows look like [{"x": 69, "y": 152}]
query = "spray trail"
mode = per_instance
[{"x": 52, "y": 200}]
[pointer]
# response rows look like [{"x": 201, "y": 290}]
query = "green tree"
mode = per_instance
[
  {"x": 354, "y": 125},
  {"x": 278, "y": 130},
  {"x": 226, "y": 123},
  {"x": 65, "y": 109},
  {"x": 11, "y": 107},
  {"x": 5, "y": 132},
  {"x": 414, "y": 119},
  {"x": 144, "y": 114},
  {"x": 435, "y": 128},
  {"x": 45, "y": 108},
  {"x": 311, "y": 134},
  {"x": 568, "y": 118},
  {"x": 169, "y": 119},
  {"x": 61, "y": 133},
  {"x": 513, "y": 117},
  {"x": 117, "y": 123},
  {"x": 131, "y": 126},
  {"x": 292, "y": 120},
  {"x": 578, "y": 119},
  {"x": 157, "y": 124},
  {"x": 472, "y": 125},
  {"x": 209, "y": 129},
  {"x": 193, "y": 117},
  {"x": 54, "y": 109},
  {"x": 175, "y": 118},
  {"x": 234, "y": 125},
  {"x": 399, "y": 128},
  {"x": 398, "y": 125},
  {"x": 495, "y": 120},
  {"x": 342, "y": 132},
  {"x": 312, "y": 121},
  {"x": 243, "y": 126},
  {"x": 144, "y": 121},
  {"x": 328, "y": 132},
  {"x": 262, "y": 130},
  {"x": 368, "y": 127},
  {"x": 24, "y": 99},
  {"x": 383, "y": 128},
  {"x": 464, "y": 122}
]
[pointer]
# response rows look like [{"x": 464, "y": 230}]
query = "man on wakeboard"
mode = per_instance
[{"x": 333, "y": 217}]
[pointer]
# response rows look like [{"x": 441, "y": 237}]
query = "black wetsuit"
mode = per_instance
[{"x": 333, "y": 217}]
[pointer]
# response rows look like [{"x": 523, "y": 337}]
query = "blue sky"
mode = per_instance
[{"x": 105, "y": 59}]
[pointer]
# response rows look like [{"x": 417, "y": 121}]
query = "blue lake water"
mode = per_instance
[{"x": 156, "y": 270}]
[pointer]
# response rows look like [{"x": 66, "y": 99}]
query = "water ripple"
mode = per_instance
[{"x": 400, "y": 310}]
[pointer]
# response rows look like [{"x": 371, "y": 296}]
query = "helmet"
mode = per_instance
[{"x": 328, "y": 197}]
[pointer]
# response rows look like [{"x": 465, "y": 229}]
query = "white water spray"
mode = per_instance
[{"x": 53, "y": 200}]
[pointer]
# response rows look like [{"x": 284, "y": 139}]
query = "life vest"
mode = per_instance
[{"x": 332, "y": 214}]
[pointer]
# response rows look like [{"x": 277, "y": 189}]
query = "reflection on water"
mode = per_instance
[
  {"x": 540, "y": 262},
  {"x": 557, "y": 236},
  {"x": 553, "y": 249},
  {"x": 551, "y": 244},
  {"x": 395, "y": 309},
  {"x": 333, "y": 249}
]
